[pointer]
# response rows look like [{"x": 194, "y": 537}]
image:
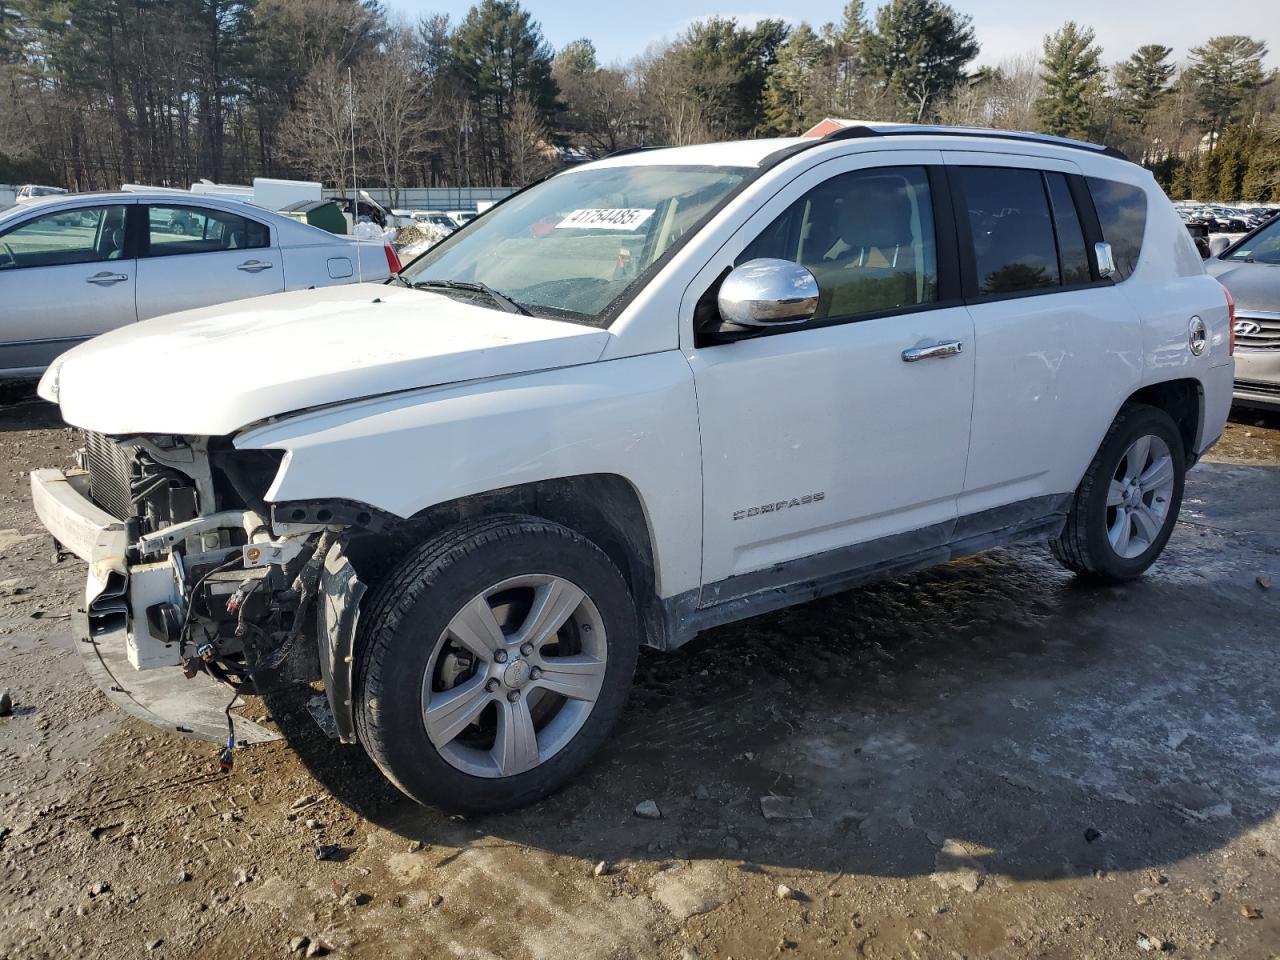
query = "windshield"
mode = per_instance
[
  {"x": 570, "y": 246},
  {"x": 1263, "y": 246}
]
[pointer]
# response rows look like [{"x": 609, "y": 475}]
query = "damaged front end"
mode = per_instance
[{"x": 196, "y": 584}]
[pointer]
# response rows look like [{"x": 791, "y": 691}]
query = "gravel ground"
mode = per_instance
[{"x": 985, "y": 759}]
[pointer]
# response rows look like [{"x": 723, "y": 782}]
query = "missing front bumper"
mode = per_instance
[{"x": 165, "y": 698}]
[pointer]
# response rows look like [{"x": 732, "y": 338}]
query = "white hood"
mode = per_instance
[{"x": 211, "y": 371}]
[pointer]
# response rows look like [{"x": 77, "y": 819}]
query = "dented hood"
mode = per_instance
[{"x": 212, "y": 371}]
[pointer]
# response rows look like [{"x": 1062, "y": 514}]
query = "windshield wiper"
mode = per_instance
[{"x": 474, "y": 286}]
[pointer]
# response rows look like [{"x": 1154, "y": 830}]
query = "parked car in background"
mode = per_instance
[
  {"x": 76, "y": 265},
  {"x": 462, "y": 217},
  {"x": 1250, "y": 270},
  {"x": 437, "y": 219},
  {"x": 644, "y": 397},
  {"x": 31, "y": 191}
]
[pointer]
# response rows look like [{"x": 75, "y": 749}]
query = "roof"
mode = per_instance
[
  {"x": 289, "y": 226},
  {"x": 731, "y": 153},
  {"x": 753, "y": 153},
  {"x": 136, "y": 195}
]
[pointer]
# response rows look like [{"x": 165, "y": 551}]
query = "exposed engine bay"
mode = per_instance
[{"x": 207, "y": 585}]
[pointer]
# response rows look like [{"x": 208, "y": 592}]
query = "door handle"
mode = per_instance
[
  {"x": 947, "y": 348},
  {"x": 254, "y": 266},
  {"x": 106, "y": 278}
]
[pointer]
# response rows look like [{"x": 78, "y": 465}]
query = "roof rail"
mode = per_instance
[
  {"x": 866, "y": 130},
  {"x": 626, "y": 150}
]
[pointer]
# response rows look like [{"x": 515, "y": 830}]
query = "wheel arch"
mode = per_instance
[
  {"x": 606, "y": 508},
  {"x": 1183, "y": 400}
]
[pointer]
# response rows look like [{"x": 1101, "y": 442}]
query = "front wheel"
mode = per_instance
[
  {"x": 1127, "y": 504},
  {"x": 493, "y": 661}
]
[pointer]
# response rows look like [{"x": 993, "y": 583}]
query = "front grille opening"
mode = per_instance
[{"x": 1262, "y": 334}]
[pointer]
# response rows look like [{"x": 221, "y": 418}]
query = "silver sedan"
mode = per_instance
[{"x": 75, "y": 266}]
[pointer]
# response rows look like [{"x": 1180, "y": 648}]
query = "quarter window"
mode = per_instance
[
  {"x": 64, "y": 237},
  {"x": 1007, "y": 214},
  {"x": 1122, "y": 213},
  {"x": 866, "y": 236},
  {"x": 182, "y": 229}
]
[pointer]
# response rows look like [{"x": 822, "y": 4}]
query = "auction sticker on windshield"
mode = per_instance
[{"x": 605, "y": 218}]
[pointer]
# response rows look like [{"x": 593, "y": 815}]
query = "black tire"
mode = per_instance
[
  {"x": 1083, "y": 546},
  {"x": 404, "y": 621}
]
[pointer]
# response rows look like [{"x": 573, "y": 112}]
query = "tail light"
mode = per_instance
[
  {"x": 1231, "y": 323},
  {"x": 393, "y": 261}
]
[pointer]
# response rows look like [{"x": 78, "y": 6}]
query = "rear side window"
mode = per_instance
[
  {"x": 866, "y": 236},
  {"x": 1007, "y": 214},
  {"x": 1122, "y": 213},
  {"x": 182, "y": 229}
]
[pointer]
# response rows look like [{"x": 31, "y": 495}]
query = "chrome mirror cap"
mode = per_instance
[
  {"x": 768, "y": 293},
  {"x": 1106, "y": 259}
]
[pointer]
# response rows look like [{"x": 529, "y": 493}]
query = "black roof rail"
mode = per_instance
[
  {"x": 625, "y": 150},
  {"x": 866, "y": 131}
]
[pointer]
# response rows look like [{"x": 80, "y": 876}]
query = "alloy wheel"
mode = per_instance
[
  {"x": 514, "y": 675},
  {"x": 1139, "y": 495}
]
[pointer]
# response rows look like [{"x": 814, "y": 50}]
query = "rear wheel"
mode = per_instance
[
  {"x": 494, "y": 660},
  {"x": 1127, "y": 504}
]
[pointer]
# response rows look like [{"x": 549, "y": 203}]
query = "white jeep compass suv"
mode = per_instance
[{"x": 651, "y": 394}]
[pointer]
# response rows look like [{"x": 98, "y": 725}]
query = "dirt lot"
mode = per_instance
[{"x": 994, "y": 760}]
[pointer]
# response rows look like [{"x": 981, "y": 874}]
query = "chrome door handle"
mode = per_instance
[
  {"x": 254, "y": 266},
  {"x": 947, "y": 348},
  {"x": 106, "y": 278}
]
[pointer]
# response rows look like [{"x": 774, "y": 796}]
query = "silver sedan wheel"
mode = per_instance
[
  {"x": 1138, "y": 497},
  {"x": 514, "y": 676}
]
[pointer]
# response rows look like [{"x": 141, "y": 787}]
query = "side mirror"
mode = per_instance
[
  {"x": 1218, "y": 246},
  {"x": 768, "y": 293},
  {"x": 1106, "y": 260}
]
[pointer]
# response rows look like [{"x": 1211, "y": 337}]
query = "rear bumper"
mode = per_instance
[{"x": 1251, "y": 394}]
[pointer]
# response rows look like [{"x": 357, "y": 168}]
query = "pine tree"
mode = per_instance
[
  {"x": 1224, "y": 71},
  {"x": 736, "y": 59},
  {"x": 788, "y": 92},
  {"x": 919, "y": 50},
  {"x": 500, "y": 54},
  {"x": 1142, "y": 81},
  {"x": 1204, "y": 180},
  {"x": 1071, "y": 72},
  {"x": 577, "y": 58}
]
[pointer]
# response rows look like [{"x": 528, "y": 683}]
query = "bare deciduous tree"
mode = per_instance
[
  {"x": 529, "y": 153},
  {"x": 396, "y": 124},
  {"x": 318, "y": 131}
]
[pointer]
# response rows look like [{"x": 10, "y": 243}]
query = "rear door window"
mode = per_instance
[
  {"x": 1122, "y": 213},
  {"x": 179, "y": 229},
  {"x": 1006, "y": 212},
  {"x": 866, "y": 236}
]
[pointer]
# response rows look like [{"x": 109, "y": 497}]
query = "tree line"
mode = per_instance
[{"x": 94, "y": 93}]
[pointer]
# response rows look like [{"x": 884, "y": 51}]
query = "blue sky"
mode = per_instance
[{"x": 622, "y": 28}]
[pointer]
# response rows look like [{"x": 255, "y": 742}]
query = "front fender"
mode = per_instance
[{"x": 635, "y": 417}]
